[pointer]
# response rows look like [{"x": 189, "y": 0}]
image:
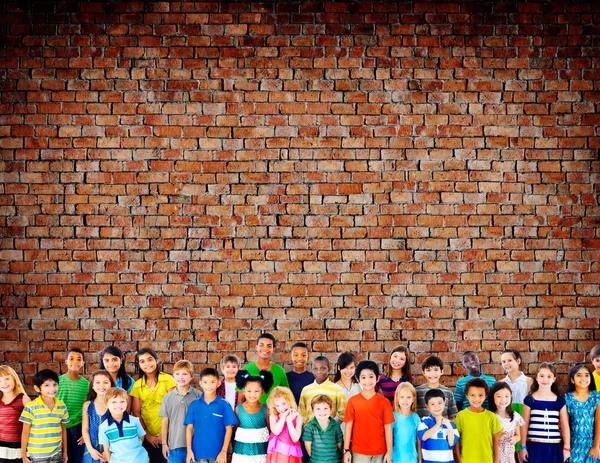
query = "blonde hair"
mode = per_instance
[
  {"x": 5, "y": 370},
  {"x": 412, "y": 390},
  {"x": 113, "y": 393},
  {"x": 280, "y": 392},
  {"x": 184, "y": 365}
]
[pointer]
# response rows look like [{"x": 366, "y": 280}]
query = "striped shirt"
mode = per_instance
[
  {"x": 544, "y": 419},
  {"x": 332, "y": 390},
  {"x": 73, "y": 394},
  {"x": 436, "y": 449},
  {"x": 459, "y": 391},
  {"x": 324, "y": 443},
  {"x": 45, "y": 433},
  {"x": 387, "y": 387},
  {"x": 123, "y": 439}
]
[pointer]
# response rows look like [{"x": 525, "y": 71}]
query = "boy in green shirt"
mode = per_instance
[{"x": 322, "y": 435}]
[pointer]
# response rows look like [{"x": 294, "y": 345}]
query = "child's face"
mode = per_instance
[
  {"x": 398, "y": 360},
  {"x": 432, "y": 374},
  {"x": 182, "y": 377},
  {"x": 74, "y": 362},
  {"x": 111, "y": 363},
  {"x": 436, "y": 406},
  {"x": 265, "y": 349},
  {"x": 320, "y": 370},
  {"x": 545, "y": 378},
  {"x": 509, "y": 362},
  {"x": 253, "y": 391},
  {"x": 7, "y": 384},
  {"x": 596, "y": 363},
  {"x": 209, "y": 384},
  {"x": 230, "y": 369},
  {"x": 281, "y": 405},
  {"x": 582, "y": 379},
  {"x": 348, "y": 372},
  {"x": 299, "y": 357},
  {"x": 367, "y": 380},
  {"x": 322, "y": 411},
  {"x": 147, "y": 363},
  {"x": 476, "y": 396},
  {"x": 117, "y": 406},
  {"x": 502, "y": 398},
  {"x": 48, "y": 389},
  {"x": 101, "y": 384},
  {"x": 405, "y": 399},
  {"x": 471, "y": 363}
]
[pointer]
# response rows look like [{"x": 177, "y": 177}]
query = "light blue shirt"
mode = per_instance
[
  {"x": 120, "y": 384},
  {"x": 405, "y": 438},
  {"x": 123, "y": 439}
]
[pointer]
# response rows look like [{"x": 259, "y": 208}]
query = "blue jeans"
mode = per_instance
[{"x": 177, "y": 455}]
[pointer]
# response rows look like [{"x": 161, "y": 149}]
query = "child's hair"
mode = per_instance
[
  {"x": 431, "y": 362},
  {"x": 321, "y": 399},
  {"x": 406, "y": 368},
  {"x": 343, "y": 361},
  {"x": 515, "y": 353},
  {"x": 468, "y": 352},
  {"x": 76, "y": 350},
  {"x": 477, "y": 382},
  {"x": 115, "y": 392},
  {"x": 44, "y": 375},
  {"x": 267, "y": 336},
  {"x": 367, "y": 365},
  {"x": 126, "y": 380},
  {"x": 299, "y": 345},
  {"x": 280, "y": 392},
  {"x": 535, "y": 386},
  {"x": 91, "y": 395},
  {"x": 573, "y": 372},
  {"x": 209, "y": 372},
  {"x": 138, "y": 370},
  {"x": 5, "y": 370},
  {"x": 265, "y": 379},
  {"x": 434, "y": 394},
  {"x": 230, "y": 359},
  {"x": 184, "y": 365},
  {"x": 321, "y": 358},
  {"x": 411, "y": 388},
  {"x": 595, "y": 352},
  {"x": 492, "y": 404}
]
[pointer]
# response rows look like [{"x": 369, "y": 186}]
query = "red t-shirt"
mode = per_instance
[{"x": 369, "y": 417}]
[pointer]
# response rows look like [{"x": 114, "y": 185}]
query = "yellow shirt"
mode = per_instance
[
  {"x": 597, "y": 380},
  {"x": 335, "y": 393},
  {"x": 151, "y": 399}
]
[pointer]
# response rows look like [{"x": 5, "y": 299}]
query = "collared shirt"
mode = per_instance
[
  {"x": 332, "y": 390},
  {"x": 174, "y": 407},
  {"x": 123, "y": 439},
  {"x": 210, "y": 421},
  {"x": 45, "y": 434},
  {"x": 151, "y": 399},
  {"x": 324, "y": 443}
]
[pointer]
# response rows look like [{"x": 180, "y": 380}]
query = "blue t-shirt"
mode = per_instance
[
  {"x": 123, "y": 439},
  {"x": 298, "y": 381},
  {"x": 436, "y": 448},
  {"x": 210, "y": 422},
  {"x": 120, "y": 383},
  {"x": 405, "y": 438}
]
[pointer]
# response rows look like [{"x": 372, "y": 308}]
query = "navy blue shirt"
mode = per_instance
[{"x": 298, "y": 381}]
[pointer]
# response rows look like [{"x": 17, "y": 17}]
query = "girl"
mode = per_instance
[
  {"x": 582, "y": 401},
  {"x": 398, "y": 371},
  {"x": 546, "y": 421},
  {"x": 148, "y": 393},
  {"x": 344, "y": 375},
  {"x": 252, "y": 435},
  {"x": 517, "y": 381},
  {"x": 500, "y": 403},
  {"x": 12, "y": 401},
  {"x": 406, "y": 447},
  {"x": 93, "y": 410},
  {"x": 113, "y": 361},
  {"x": 286, "y": 427}
]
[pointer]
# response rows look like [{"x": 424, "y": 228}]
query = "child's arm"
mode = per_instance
[
  {"x": 450, "y": 431},
  {"x": 308, "y": 446},
  {"x": 222, "y": 457},
  {"x": 165, "y": 434},
  {"x": 25, "y": 441},
  {"x": 347, "y": 439},
  {"x": 524, "y": 429},
  {"x": 64, "y": 440},
  {"x": 457, "y": 456},
  {"x": 85, "y": 433},
  {"x": 107, "y": 453},
  {"x": 388, "y": 443},
  {"x": 565, "y": 432},
  {"x": 295, "y": 429},
  {"x": 433, "y": 430},
  {"x": 419, "y": 453},
  {"x": 277, "y": 425},
  {"x": 189, "y": 432},
  {"x": 595, "y": 451},
  {"x": 496, "y": 437}
]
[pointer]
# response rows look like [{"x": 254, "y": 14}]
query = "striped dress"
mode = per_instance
[
  {"x": 251, "y": 437},
  {"x": 544, "y": 442}
]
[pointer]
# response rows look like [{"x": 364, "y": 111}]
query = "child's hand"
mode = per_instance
[
  {"x": 189, "y": 458},
  {"x": 65, "y": 456},
  {"x": 348, "y": 458},
  {"x": 524, "y": 455},
  {"x": 595, "y": 453},
  {"x": 222, "y": 457},
  {"x": 80, "y": 441},
  {"x": 25, "y": 459},
  {"x": 153, "y": 440},
  {"x": 446, "y": 421},
  {"x": 165, "y": 451},
  {"x": 387, "y": 458},
  {"x": 514, "y": 439},
  {"x": 566, "y": 454},
  {"x": 292, "y": 414},
  {"x": 97, "y": 455}
]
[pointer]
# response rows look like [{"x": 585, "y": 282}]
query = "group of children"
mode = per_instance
[{"x": 270, "y": 416}]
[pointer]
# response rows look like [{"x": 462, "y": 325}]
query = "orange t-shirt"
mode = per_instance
[{"x": 369, "y": 417}]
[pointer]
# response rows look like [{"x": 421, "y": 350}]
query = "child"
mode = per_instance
[
  {"x": 113, "y": 361},
  {"x": 230, "y": 365},
  {"x": 406, "y": 444},
  {"x": 582, "y": 402},
  {"x": 120, "y": 434},
  {"x": 433, "y": 369},
  {"x": 322, "y": 435},
  {"x": 511, "y": 421},
  {"x": 369, "y": 417},
  {"x": 286, "y": 427},
  {"x": 72, "y": 390},
  {"x": 148, "y": 393},
  {"x": 595, "y": 358},
  {"x": 300, "y": 376},
  {"x": 12, "y": 402},
  {"x": 44, "y": 433},
  {"x": 345, "y": 376},
  {"x": 479, "y": 429},
  {"x": 93, "y": 412},
  {"x": 437, "y": 434},
  {"x": 173, "y": 410},
  {"x": 546, "y": 420},
  {"x": 473, "y": 366},
  {"x": 252, "y": 435},
  {"x": 397, "y": 371},
  {"x": 515, "y": 378},
  {"x": 265, "y": 345},
  {"x": 322, "y": 385},
  {"x": 209, "y": 422}
]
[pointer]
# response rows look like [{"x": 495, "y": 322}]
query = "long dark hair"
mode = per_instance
[
  {"x": 343, "y": 361},
  {"x": 573, "y": 372},
  {"x": 492, "y": 405},
  {"x": 139, "y": 371},
  {"x": 126, "y": 380},
  {"x": 91, "y": 395},
  {"x": 264, "y": 378},
  {"x": 535, "y": 386},
  {"x": 405, "y": 369}
]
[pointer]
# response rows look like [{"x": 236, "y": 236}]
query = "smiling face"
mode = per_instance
[
  {"x": 398, "y": 360},
  {"x": 147, "y": 363},
  {"x": 117, "y": 406},
  {"x": 281, "y": 405},
  {"x": 367, "y": 380},
  {"x": 252, "y": 391},
  {"x": 111, "y": 363},
  {"x": 7, "y": 384},
  {"x": 48, "y": 389},
  {"x": 476, "y": 397},
  {"x": 101, "y": 384},
  {"x": 320, "y": 370},
  {"x": 299, "y": 357},
  {"x": 230, "y": 369},
  {"x": 502, "y": 398},
  {"x": 436, "y": 406},
  {"x": 348, "y": 372},
  {"x": 74, "y": 362},
  {"x": 322, "y": 411},
  {"x": 432, "y": 374},
  {"x": 265, "y": 349},
  {"x": 596, "y": 363},
  {"x": 209, "y": 385},
  {"x": 545, "y": 378},
  {"x": 471, "y": 364},
  {"x": 182, "y": 377},
  {"x": 582, "y": 379},
  {"x": 405, "y": 399},
  {"x": 509, "y": 362}
]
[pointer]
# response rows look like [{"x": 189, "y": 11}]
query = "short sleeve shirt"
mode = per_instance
[
  {"x": 436, "y": 449},
  {"x": 279, "y": 377},
  {"x": 476, "y": 430},
  {"x": 324, "y": 443},
  {"x": 45, "y": 434},
  {"x": 174, "y": 407},
  {"x": 151, "y": 399},
  {"x": 123, "y": 439},
  {"x": 73, "y": 394},
  {"x": 369, "y": 417},
  {"x": 405, "y": 438}
]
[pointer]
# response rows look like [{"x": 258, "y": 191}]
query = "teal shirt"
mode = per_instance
[{"x": 459, "y": 391}]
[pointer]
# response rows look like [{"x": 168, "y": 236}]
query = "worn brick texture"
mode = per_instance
[{"x": 356, "y": 175}]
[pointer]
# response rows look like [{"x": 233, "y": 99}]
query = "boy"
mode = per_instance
[
  {"x": 437, "y": 434},
  {"x": 72, "y": 390},
  {"x": 300, "y": 376},
  {"x": 369, "y": 417},
  {"x": 173, "y": 409},
  {"x": 471, "y": 363},
  {"x": 209, "y": 423},
  {"x": 322, "y": 385},
  {"x": 230, "y": 365},
  {"x": 323, "y": 435},
  {"x": 433, "y": 368},
  {"x": 120, "y": 433},
  {"x": 595, "y": 357},
  {"x": 265, "y": 345},
  {"x": 44, "y": 419},
  {"x": 479, "y": 428}
]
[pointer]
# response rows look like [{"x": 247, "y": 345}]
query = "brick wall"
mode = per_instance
[{"x": 356, "y": 175}]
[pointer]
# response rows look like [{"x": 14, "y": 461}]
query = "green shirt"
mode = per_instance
[
  {"x": 324, "y": 443},
  {"x": 476, "y": 431},
  {"x": 73, "y": 394},
  {"x": 279, "y": 377}
]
